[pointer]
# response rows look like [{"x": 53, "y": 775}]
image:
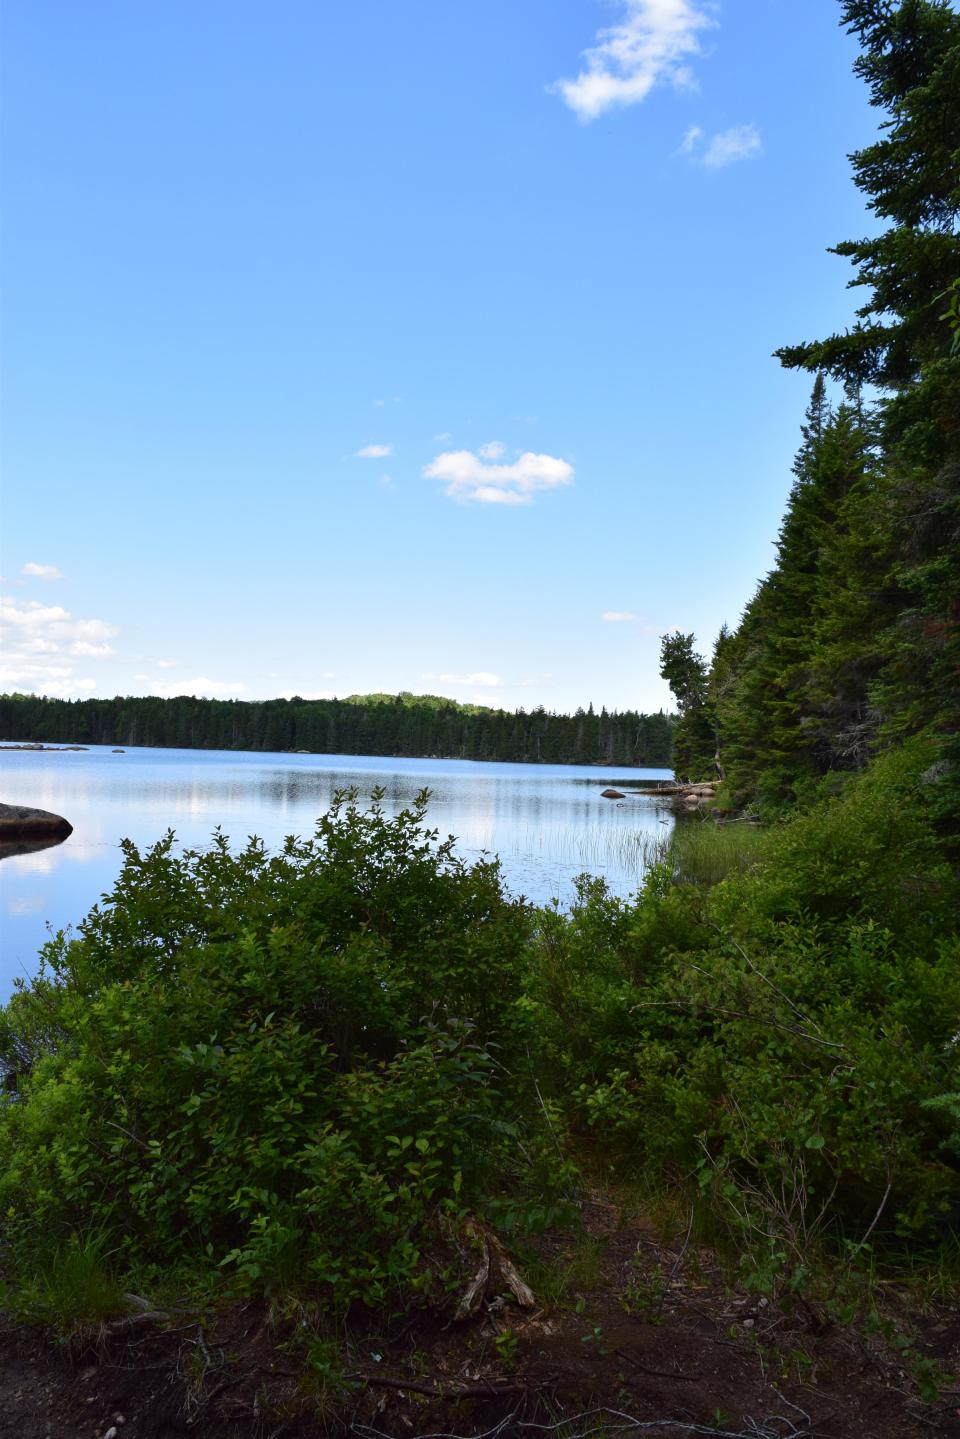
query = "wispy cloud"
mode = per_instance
[
  {"x": 200, "y": 687},
  {"x": 492, "y": 450},
  {"x": 652, "y": 44},
  {"x": 740, "y": 142},
  {"x": 469, "y": 477},
  {"x": 479, "y": 679},
  {"x": 374, "y": 452},
  {"x": 691, "y": 139},
  {"x": 617, "y": 617},
  {"x": 41, "y": 572}
]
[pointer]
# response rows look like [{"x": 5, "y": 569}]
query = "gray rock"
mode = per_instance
[{"x": 19, "y": 821}]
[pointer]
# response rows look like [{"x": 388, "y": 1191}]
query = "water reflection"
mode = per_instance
[
  {"x": 546, "y": 822},
  {"x": 11, "y": 847}
]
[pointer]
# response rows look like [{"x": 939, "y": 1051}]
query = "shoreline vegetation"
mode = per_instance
[
  {"x": 394, "y": 726},
  {"x": 344, "y": 1139}
]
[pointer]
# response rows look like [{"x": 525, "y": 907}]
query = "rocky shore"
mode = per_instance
[
  {"x": 52, "y": 748},
  {"x": 691, "y": 796}
]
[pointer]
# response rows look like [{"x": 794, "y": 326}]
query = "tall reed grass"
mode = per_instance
[{"x": 701, "y": 852}]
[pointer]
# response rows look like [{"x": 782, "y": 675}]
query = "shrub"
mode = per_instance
[{"x": 294, "y": 1068}]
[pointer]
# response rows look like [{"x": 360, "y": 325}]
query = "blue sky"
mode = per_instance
[{"x": 419, "y": 345}]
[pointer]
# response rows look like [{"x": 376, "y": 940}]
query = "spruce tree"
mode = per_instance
[{"x": 903, "y": 344}]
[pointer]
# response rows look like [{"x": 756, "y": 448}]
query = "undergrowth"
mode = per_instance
[{"x": 309, "y": 1076}]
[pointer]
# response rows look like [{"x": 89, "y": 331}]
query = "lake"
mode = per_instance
[{"x": 548, "y": 823}]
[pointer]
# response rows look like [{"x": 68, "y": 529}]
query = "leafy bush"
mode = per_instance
[
  {"x": 294, "y": 1068},
  {"x": 306, "y": 1071},
  {"x": 786, "y": 1039}
]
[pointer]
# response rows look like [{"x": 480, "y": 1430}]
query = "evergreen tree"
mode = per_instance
[
  {"x": 695, "y": 741},
  {"x": 902, "y": 343}
]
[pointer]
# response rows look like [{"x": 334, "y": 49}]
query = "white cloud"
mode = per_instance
[
  {"x": 84, "y": 647},
  {"x": 41, "y": 572},
  {"x": 374, "y": 452},
  {"x": 44, "y": 679},
  {"x": 38, "y": 642},
  {"x": 615, "y": 617},
  {"x": 443, "y": 436},
  {"x": 200, "y": 687},
  {"x": 492, "y": 450},
  {"x": 651, "y": 45},
  {"x": 49, "y": 623},
  {"x": 480, "y": 679},
  {"x": 469, "y": 478},
  {"x": 692, "y": 137},
  {"x": 740, "y": 142},
  {"x": 166, "y": 664}
]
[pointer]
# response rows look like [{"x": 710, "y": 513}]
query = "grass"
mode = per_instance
[
  {"x": 704, "y": 853},
  {"x": 74, "y": 1290},
  {"x": 559, "y": 1279}
]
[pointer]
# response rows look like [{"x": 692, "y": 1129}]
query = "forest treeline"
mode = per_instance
[
  {"x": 404, "y": 724},
  {"x": 851, "y": 644}
]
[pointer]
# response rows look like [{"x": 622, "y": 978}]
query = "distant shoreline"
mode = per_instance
[
  {"x": 38, "y": 747},
  {"x": 402, "y": 726}
]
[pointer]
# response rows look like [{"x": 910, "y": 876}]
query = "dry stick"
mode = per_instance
[
  {"x": 129, "y": 1133},
  {"x": 498, "y": 1428},
  {"x": 676, "y": 1264},
  {"x": 757, "y": 1430},
  {"x": 135, "y": 1321},
  {"x": 738, "y": 1014},
  {"x": 876, "y": 1218},
  {"x": 439, "y": 1390},
  {"x": 760, "y": 975},
  {"x": 657, "y": 1373}
]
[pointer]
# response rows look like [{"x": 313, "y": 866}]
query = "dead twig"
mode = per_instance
[
  {"x": 657, "y": 1373},
  {"x": 440, "y": 1389}
]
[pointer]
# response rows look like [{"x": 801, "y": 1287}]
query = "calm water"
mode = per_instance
[{"x": 547, "y": 822}]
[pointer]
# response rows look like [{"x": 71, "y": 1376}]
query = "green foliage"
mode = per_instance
[
  {"x": 695, "y": 739},
  {"x": 295, "y": 1069},
  {"x": 302, "y": 1073},
  {"x": 787, "y": 1036},
  {"x": 896, "y": 613},
  {"x": 307, "y": 1071},
  {"x": 74, "y": 1287}
]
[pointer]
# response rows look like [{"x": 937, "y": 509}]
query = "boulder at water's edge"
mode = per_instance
[{"x": 19, "y": 821}]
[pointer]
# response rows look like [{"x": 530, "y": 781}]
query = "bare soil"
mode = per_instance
[{"x": 655, "y": 1341}]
